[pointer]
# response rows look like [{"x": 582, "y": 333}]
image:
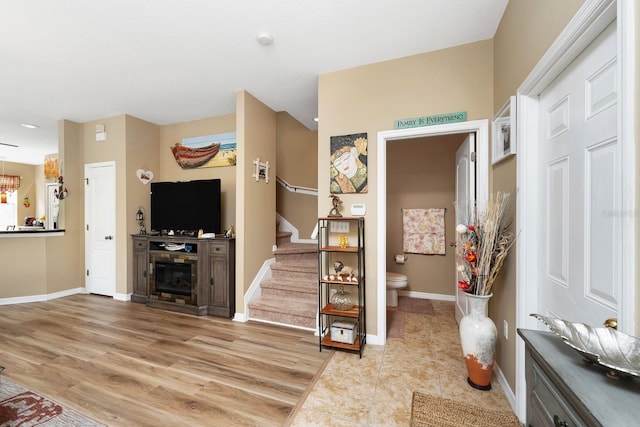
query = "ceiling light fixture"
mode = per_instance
[
  {"x": 265, "y": 39},
  {"x": 29, "y": 126},
  {"x": 315, "y": 119}
]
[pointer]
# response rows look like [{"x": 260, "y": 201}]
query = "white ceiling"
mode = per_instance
[{"x": 168, "y": 61}]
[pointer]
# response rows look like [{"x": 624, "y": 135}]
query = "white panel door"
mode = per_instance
[
  {"x": 580, "y": 189},
  {"x": 100, "y": 227},
  {"x": 465, "y": 191}
]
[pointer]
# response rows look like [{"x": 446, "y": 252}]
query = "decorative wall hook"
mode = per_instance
[
  {"x": 61, "y": 192},
  {"x": 262, "y": 170}
]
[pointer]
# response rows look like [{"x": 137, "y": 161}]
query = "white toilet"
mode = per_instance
[{"x": 395, "y": 281}]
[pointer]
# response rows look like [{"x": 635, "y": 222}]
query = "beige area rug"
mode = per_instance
[
  {"x": 415, "y": 305},
  {"x": 24, "y": 408},
  {"x": 434, "y": 411}
]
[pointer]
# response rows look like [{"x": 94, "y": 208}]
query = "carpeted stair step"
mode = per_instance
[
  {"x": 297, "y": 252},
  {"x": 286, "y": 311},
  {"x": 290, "y": 289},
  {"x": 283, "y": 237},
  {"x": 301, "y": 271}
]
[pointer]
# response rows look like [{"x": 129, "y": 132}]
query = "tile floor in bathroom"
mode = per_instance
[{"x": 377, "y": 389}]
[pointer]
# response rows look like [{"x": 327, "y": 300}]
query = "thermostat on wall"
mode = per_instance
[{"x": 358, "y": 209}]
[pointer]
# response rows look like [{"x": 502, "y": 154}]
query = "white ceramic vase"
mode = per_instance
[{"x": 478, "y": 336}]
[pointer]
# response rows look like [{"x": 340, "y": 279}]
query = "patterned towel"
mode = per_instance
[{"x": 423, "y": 231}]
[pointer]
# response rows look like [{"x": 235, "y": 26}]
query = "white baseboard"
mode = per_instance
[
  {"x": 43, "y": 297},
  {"x": 254, "y": 290},
  {"x": 506, "y": 388},
  {"x": 425, "y": 295},
  {"x": 122, "y": 297},
  {"x": 240, "y": 317},
  {"x": 374, "y": 340}
]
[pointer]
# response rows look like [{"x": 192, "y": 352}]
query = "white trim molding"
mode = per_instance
[
  {"x": 481, "y": 129},
  {"x": 43, "y": 297},
  {"x": 254, "y": 290},
  {"x": 592, "y": 18}
]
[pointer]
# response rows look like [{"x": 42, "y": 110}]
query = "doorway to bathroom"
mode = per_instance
[{"x": 389, "y": 214}]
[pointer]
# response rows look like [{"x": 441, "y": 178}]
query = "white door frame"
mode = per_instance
[
  {"x": 481, "y": 129},
  {"x": 587, "y": 24}
]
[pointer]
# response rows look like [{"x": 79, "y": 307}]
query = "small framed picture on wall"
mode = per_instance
[{"x": 503, "y": 135}]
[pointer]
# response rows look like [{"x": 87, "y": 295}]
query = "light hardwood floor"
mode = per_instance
[
  {"x": 124, "y": 364},
  {"x": 128, "y": 365}
]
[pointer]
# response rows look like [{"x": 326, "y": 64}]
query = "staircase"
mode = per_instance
[{"x": 290, "y": 296}]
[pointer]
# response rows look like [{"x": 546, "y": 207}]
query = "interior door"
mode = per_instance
[
  {"x": 100, "y": 227},
  {"x": 581, "y": 232},
  {"x": 465, "y": 196}
]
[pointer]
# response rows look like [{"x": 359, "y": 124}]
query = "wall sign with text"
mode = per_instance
[{"x": 440, "y": 119}]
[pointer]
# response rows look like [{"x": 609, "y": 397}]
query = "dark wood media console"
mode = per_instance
[{"x": 185, "y": 274}]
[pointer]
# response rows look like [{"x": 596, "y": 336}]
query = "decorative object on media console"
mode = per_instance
[
  {"x": 140, "y": 219},
  {"x": 603, "y": 346},
  {"x": 483, "y": 243},
  {"x": 335, "y": 210}
]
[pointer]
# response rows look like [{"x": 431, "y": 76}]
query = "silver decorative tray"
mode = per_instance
[{"x": 604, "y": 346}]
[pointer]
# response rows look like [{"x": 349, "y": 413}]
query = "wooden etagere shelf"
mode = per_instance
[{"x": 341, "y": 245}]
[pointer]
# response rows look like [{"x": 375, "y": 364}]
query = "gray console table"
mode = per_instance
[
  {"x": 211, "y": 266},
  {"x": 563, "y": 390}
]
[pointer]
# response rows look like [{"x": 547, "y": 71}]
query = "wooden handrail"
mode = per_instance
[{"x": 297, "y": 189}]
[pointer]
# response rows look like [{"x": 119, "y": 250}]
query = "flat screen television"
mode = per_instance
[{"x": 186, "y": 206}]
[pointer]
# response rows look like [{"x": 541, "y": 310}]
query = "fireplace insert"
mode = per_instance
[{"x": 174, "y": 277}]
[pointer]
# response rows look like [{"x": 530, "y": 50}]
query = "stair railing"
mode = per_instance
[{"x": 297, "y": 189}]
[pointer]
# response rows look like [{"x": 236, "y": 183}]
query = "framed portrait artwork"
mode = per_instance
[
  {"x": 348, "y": 164},
  {"x": 503, "y": 135}
]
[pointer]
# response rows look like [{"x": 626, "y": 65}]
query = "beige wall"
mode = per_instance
[
  {"x": 421, "y": 174},
  {"x": 369, "y": 99},
  {"x": 527, "y": 30},
  {"x": 23, "y": 262},
  {"x": 297, "y": 157},
  {"x": 256, "y": 202},
  {"x": 141, "y": 153}
]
